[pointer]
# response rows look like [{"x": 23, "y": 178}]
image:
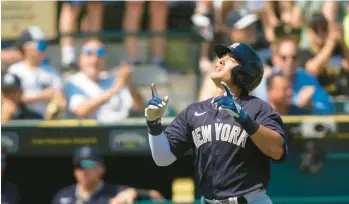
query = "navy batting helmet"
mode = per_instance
[{"x": 249, "y": 74}]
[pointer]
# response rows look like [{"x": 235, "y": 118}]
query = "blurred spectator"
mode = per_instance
[
  {"x": 285, "y": 14},
  {"x": 158, "y": 24},
  {"x": 41, "y": 83},
  {"x": 307, "y": 92},
  {"x": 107, "y": 99},
  {"x": 11, "y": 54},
  {"x": 12, "y": 107},
  {"x": 329, "y": 9},
  {"x": 90, "y": 188},
  {"x": 327, "y": 57},
  {"x": 92, "y": 22},
  {"x": 280, "y": 96},
  {"x": 241, "y": 26},
  {"x": 9, "y": 191}
]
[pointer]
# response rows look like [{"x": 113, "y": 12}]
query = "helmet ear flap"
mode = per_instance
[{"x": 235, "y": 79}]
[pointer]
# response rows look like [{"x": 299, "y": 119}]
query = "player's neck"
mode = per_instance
[{"x": 234, "y": 89}]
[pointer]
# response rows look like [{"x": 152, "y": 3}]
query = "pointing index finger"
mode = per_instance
[
  {"x": 154, "y": 92},
  {"x": 226, "y": 88}
]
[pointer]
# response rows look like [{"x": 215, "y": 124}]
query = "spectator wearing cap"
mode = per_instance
[
  {"x": 327, "y": 57},
  {"x": 13, "y": 54},
  {"x": 307, "y": 92},
  {"x": 9, "y": 191},
  {"x": 12, "y": 107},
  {"x": 91, "y": 189},
  {"x": 40, "y": 83},
  {"x": 105, "y": 98},
  {"x": 280, "y": 96},
  {"x": 241, "y": 26}
]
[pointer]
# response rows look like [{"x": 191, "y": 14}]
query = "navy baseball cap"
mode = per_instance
[
  {"x": 87, "y": 157},
  {"x": 10, "y": 81},
  {"x": 240, "y": 18}
]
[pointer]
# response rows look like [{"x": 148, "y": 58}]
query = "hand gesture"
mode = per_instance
[
  {"x": 227, "y": 103},
  {"x": 156, "y": 107}
]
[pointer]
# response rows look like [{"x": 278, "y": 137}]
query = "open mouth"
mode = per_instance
[{"x": 217, "y": 69}]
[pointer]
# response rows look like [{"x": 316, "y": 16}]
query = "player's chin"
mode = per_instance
[{"x": 219, "y": 76}]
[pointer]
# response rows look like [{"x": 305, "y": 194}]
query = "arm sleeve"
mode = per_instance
[
  {"x": 173, "y": 142},
  {"x": 160, "y": 149},
  {"x": 271, "y": 120}
]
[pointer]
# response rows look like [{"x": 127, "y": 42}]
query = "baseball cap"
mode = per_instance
[
  {"x": 87, "y": 156},
  {"x": 10, "y": 81},
  {"x": 240, "y": 18},
  {"x": 32, "y": 34}
]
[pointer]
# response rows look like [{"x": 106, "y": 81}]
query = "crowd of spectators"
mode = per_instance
[{"x": 304, "y": 46}]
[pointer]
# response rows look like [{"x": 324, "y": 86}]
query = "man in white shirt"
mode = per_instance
[
  {"x": 107, "y": 99},
  {"x": 41, "y": 83}
]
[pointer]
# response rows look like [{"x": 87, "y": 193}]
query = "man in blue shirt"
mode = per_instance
[{"x": 307, "y": 92}]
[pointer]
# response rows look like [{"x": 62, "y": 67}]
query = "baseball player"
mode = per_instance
[{"x": 234, "y": 136}]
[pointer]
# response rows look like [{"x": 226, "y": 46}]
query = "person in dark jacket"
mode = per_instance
[
  {"x": 11, "y": 106},
  {"x": 90, "y": 187}
]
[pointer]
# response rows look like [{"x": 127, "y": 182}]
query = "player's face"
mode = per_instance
[
  {"x": 88, "y": 176},
  {"x": 280, "y": 91},
  {"x": 92, "y": 59},
  {"x": 221, "y": 70}
]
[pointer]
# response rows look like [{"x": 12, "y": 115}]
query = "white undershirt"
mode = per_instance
[{"x": 160, "y": 149}]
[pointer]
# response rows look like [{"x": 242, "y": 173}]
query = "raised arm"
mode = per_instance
[{"x": 166, "y": 145}]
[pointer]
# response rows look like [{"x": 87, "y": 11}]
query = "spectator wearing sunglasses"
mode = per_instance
[
  {"x": 9, "y": 191},
  {"x": 11, "y": 54},
  {"x": 40, "y": 82},
  {"x": 307, "y": 92},
  {"x": 90, "y": 187},
  {"x": 327, "y": 57},
  {"x": 105, "y": 98}
]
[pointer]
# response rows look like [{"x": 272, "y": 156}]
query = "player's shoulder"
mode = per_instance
[
  {"x": 255, "y": 106},
  {"x": 198, "y": 107}
]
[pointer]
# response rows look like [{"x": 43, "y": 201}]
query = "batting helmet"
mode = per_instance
[{"x": 249, "y": 74}]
